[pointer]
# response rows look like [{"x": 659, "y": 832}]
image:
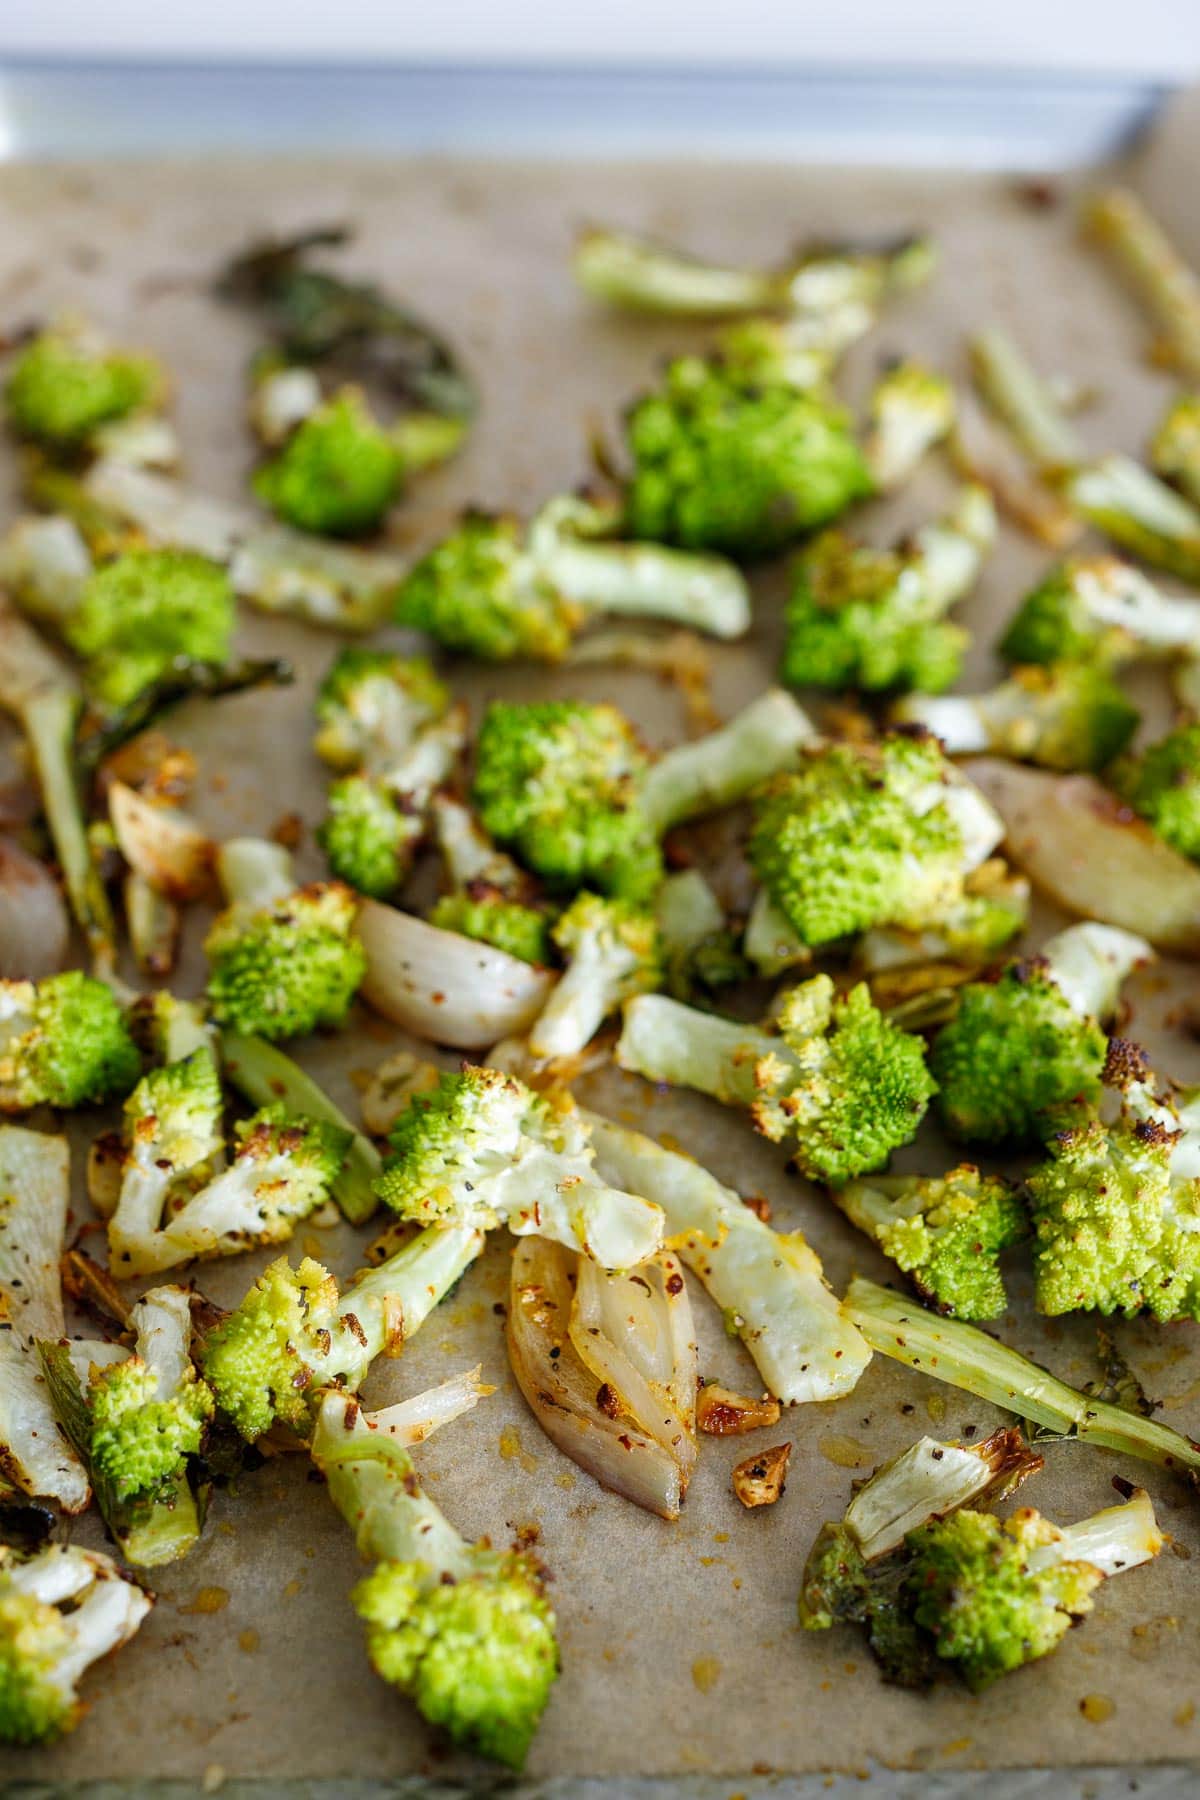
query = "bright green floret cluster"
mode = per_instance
[
  {"x": 1063, "y": 716},
  {"x": 477, "y": 1655},
  {"x": 1116, "y": 1213},
  {"x": 141, "y": 611},
  {"x": 139, "y": 1441},
  {"x": 849, "y": 840},
  {"x": 478, "y": 591},
  {"x": 367, "y": 838},
  {"x": 258, "y": 1360},
  {"x": 63, "y": 1042},
  {"x": 64, "y": 386},
  {"x": 338, "y": 473},
  {"x": 1162, "y": 785},
  {"x": 1058, "y": 621},
  {"x": 862, "y": 618},
  {"x": 371, "y": 703},
  {"x": 724, "y": 462},
  {"x": 972, "y": 1588},
  {"x": 1014, "y": 1058},
  {"x": 285, "y": 969},
  {"x": 482, "y": 912},
  {"x": 856, "y": 1090},
  {"x": 447, "y": 1144},
  {"x": 558, "y": 781},
  {"x": 945, "y": 1232}
]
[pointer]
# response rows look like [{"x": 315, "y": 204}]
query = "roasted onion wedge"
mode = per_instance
[
  {"x": 572, "y": 1407},
  {"x": 162, "y": 844},
  {"x": 443, "y": 987},
  {"x": 1088, "y": 851}
]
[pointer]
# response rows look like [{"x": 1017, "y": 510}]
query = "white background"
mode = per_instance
[{"x": 1158, "y": 39}]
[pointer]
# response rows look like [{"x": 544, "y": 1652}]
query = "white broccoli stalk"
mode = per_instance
[
  {"x": 1088, "y": 963},
  {"x": 723, "y": 767}
]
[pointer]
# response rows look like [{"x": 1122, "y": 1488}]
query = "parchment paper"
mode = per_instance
[{"x": 680, "y": 1645}]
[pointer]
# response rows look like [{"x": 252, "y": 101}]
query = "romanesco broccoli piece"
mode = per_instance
[
  {"x": 912, "y": 408},
  {"x": 139, "y": 613},
  {"x": 872, "y": 835},
  {"x": 483, "y": 1149},
  {"x": 613, "y": 951},
  {"x": 493, "y": 900},
  {"x": 67, "y": 383},
  {"x": 1023, "y": 1047},
  {"x": 173, "y": 1139},
  {"x": 371, "y": 704},
  {"x": 839, "y": 1079},
  {"x": 338, "y": 472},
  {"x": 945, "y": 1232},
  {"x": 370, "y": 841},
  {"x": 466, "y": 1631},
  {"x": 64, "y": 1042},
  {"x": 1099, "y": 609},
  {"x": 1162, "y": 784},
  {"x": 61, "y": 1610},
  {"x": 875, "y": 619},
  {"x": 1060, "y": 716},
  {"x": 293, "y": 1333},
  {"x": 736, "y": 462},
  {"x": 282, "y": 959}
]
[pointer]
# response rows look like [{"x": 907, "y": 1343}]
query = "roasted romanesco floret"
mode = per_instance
[
  {"x": 1024, "y": 1046},
  {"x": 483, "y": 1149},
  {"x": 912, "y": 408},
  {"x": 173, "y": 1140},
  {"x": 493, "y": 899},
  {"x": 369, "y": 840},
  {"x": 480, "y": 592},
  {"x": 293, "y": 1333},
  {"x": 875, "y": 619},
  {"x": 61, "y": 1610},
  {"x": 338, "y": 472},
  {"x": 739, "y": 462},
  {"x": 613, "y": 950},
  {"x": 1099, "y": 609},
  {"x": 282, "y": 960},
  {"x": 371, "y": 704},
  {"x": 872, "y": 835},
  {"x": 559, "y": 781},
  {"x": 1116, "y": 1207},
  {"x": 1060, "y": 716},
  {"x": 64, "y": 1042},
  {"x": 66, "y": 383},
  {"x": 839, "y": 1080},
  {"x": 465, "y": 1630},
  {"x": 1162, "y": 784},
  {"x": 946, "y": 1232},
  {"x": 144, "y": 609}
]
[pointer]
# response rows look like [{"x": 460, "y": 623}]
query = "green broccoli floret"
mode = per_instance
[
  {"x": 559, "y": 781},
  {"x": 371, "y": 704},
  {"x": 293, "y": 1333},
  {"x": 1061, "y": 716},
  {"x": 725, "y": 461},
  {"x": 1023, "y": 1047},
  {"x": 979, "y": 1589},
  {"x": 912, "y": 409},
  {"x": 139, "y": 1436},
  {"x": 874, "y": 619},
  {"x": 483, "y": 913},
  {"x": 872, "y": 835},
  {"x": 137, "y": 614},
  {"x": 1101, "y": 610},
  {"x": 993, "y": 909},
  {"x": 369, "y": 840},
  {"x": 842, "y": 1081},
  {"x": 496, "y": 592},
  {"x": 613, "y": 951},
  {"x": 338, "y": 472},
  {"x": 1175, "y": 449},
  {"x": 483, "y": 1149},
  {"x": 466, "y": 1631},
  {"x": 282, "y": 960},
  {"x": 61, "y": 1610},
  {"x": 1116, "y": 1207},
  {"x": 1162, "y": 784},
  {"x": 945, "y": 1232},
  {"x": 64, "y": 1042},
  {"x": 67, "y": 383}
]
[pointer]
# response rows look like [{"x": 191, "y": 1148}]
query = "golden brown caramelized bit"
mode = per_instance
[
  {"x": 722, "y": 1413},
  {"x": 760, "y": 1480}
]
